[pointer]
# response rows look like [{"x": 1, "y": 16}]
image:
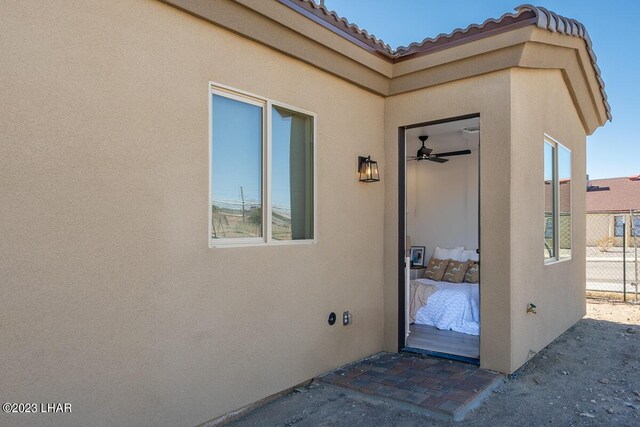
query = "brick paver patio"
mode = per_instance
[{"x": 439, "y": 387}]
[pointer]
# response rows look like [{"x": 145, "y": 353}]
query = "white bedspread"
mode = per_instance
[{"x": 454, "y": 306}]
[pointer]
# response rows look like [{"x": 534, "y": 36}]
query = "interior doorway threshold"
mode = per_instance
[
  {"x": 443, "y": 389},
  {"x": 447, "y": 356}
]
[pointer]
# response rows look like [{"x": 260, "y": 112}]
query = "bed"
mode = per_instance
[{"x": 447, "y": 306}]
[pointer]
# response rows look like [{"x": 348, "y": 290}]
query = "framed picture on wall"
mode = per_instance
[{"x": 417, "y": 256}]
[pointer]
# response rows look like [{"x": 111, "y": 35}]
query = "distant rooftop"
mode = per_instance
[{"x": 613, "y": 194}]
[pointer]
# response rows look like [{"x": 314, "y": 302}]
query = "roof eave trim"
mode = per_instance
[
  {"x": 524, "y": 15},
  {"x": 368, "y": 42},
  {"x": 468, "y": 39},
  {"x": 551, "y": 21}
]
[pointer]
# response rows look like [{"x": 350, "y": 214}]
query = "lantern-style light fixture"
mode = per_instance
[{"x": 368, "y": 169}]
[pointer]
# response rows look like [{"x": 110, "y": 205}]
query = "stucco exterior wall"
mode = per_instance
[
  {"x": 541, "y": 104},
  {"x": 490, "y": 96},
  {"x": 112, "y": 300}
]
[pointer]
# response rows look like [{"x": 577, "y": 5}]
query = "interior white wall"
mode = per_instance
[{"x": 442, "y": 198}]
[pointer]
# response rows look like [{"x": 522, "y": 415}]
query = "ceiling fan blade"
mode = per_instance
[
  {"x": 453, "y": 153},
  {"x": 438, "y": 160}
]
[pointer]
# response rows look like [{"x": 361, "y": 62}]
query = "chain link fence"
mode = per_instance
[{"x": 613, "y": 252}]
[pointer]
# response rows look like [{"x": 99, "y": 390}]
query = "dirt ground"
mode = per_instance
[{"x": 589, "y": 376}]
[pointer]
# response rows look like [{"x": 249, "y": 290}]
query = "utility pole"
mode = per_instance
[
  {"x": 242, "y": 197},
  {"x": 213, "y": 223},
  {"x": 634, "y": 234},
  {"x": 624, "y": 260}
]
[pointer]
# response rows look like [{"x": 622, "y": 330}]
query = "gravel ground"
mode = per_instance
[{"x": 589, "y": 376}]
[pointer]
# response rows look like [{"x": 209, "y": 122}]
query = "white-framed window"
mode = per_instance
[
  {"x": 618, "y": 226},
  {"x": 623, "y": 222},
  {"x": 261, "y": 170},
  {"x": 557, "y": 201}
]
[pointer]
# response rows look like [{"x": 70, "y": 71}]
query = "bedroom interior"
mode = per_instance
[{"x": 442, "y": 216}]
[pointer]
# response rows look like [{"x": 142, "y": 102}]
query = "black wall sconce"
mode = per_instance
[{"x": 368, "y": 169}]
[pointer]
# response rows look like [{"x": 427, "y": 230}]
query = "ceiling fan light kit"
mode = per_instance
[
  {"x": 425, "y": 153},
  {"x": 471, "y": 130}
]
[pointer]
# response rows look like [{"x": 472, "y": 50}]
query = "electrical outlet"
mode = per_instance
[
  {"x": 346, "y": 318},
  {"x": 332, "y": 318}
]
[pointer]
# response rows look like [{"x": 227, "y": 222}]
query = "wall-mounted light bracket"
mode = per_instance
[{"x": 368, "y": 169}]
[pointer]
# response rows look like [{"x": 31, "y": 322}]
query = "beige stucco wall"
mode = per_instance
[
  {"x": 112, "y": 300},
  {"x": 516, "y": 108},
  {"x": 490, "y": 96},
  {"x": 541, "y": 104}
]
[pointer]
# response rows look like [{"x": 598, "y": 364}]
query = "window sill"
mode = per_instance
[
  {"x": 556, "y": 261},
  {"x": 213, "y": 245}
]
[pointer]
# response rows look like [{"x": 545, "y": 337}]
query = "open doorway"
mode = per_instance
[{"x": 439, "y": 216}]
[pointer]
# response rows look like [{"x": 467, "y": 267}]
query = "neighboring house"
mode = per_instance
[
  {"x": 181, "y": 208},
  {"x": 613, "y": 210}
]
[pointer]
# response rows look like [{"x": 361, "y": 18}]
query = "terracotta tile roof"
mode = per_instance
[
  {"x": 524, "y": 15},
  {"x": 613, "y": 194},
  {"x": 342, "y": 24}
]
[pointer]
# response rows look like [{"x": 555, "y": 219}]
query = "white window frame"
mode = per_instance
[
  {"x": 267, "y": 105},
  {"x": 624, "y": 222},
  {"x": 556, "y": 195}
]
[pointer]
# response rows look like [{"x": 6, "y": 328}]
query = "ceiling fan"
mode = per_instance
[{"x": 424, "y": 153}]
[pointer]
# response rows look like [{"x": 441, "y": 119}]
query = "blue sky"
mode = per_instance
[
  {"x": 613, "y": 150},
  {"x": 239, "y": 163},
  {"x": 237, "y": 157}
]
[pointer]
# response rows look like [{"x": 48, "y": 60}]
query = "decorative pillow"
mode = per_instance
[
  {"x": 436, "y": 268},
  {"x": 454, "y": 254},
  {"x": 473, "y": 273},
  {"x": 455, "y": 271},
  {"x": 469, "y": 254}
]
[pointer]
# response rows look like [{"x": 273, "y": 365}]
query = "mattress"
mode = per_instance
[{"x": 453, "y": 306}]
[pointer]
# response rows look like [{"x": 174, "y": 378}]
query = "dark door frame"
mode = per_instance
[{"x": 402, "y": 175}]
